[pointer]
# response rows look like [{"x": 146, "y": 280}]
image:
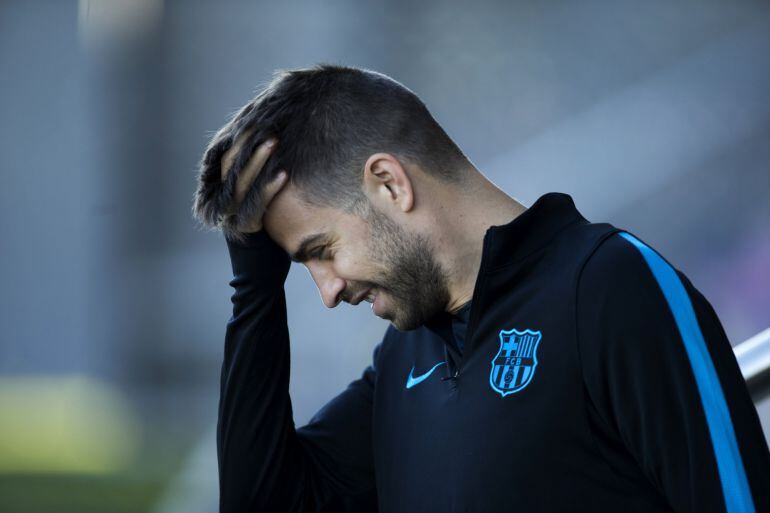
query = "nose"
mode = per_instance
[{"x": 330, "y": 286}]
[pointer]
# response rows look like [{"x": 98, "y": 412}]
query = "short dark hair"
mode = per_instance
[{"x": 328, "y": 120}]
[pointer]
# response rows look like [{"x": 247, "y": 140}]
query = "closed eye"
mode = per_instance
[{"x": 317, "y": 253}]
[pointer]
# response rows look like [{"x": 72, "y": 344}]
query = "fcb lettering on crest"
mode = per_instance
[{"x": 513, "y": 367}]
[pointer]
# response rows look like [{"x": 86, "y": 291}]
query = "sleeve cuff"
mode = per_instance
[
  {"x": 258, "y": 256},
  {"x": 250, "y": 240}
]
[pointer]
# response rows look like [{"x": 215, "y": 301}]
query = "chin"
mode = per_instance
[
  {"x": 400, "y": 327},
  {"x": 404, "y": 324},
  {"x": 408, "y": 319}
]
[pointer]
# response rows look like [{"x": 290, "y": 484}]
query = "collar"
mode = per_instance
[
  {"x": 532, "y": 230},
  {"x": 505, "y": 244}
]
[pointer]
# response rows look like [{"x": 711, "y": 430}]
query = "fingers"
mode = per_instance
[
  {"x": 252, "y": 169},
  {"x": 269, "y": 191},
  {"x": 229, "y": 155},
  {"x": 273, "y": 187}
]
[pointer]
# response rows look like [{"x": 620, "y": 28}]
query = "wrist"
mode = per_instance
[
  {"x": 256, "y": 255},
  {"x": 248, "y": 239}
]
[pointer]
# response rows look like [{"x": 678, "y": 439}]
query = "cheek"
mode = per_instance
[
  {"x": 357, "y": 264},
  {"x": 349, "y": 264}
]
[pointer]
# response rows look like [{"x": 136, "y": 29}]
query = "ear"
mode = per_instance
[{"x": 387, "y": 182}]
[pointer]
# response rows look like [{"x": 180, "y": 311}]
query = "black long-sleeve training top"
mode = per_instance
[{"x": 591, "y": 377}]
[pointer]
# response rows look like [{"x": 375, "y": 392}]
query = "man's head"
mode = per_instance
[
  {"x": 380, "y": 255},
  {"x": 359, "y": 148}
]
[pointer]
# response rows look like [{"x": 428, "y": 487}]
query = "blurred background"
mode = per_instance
[{"x": 654, "y": 116}]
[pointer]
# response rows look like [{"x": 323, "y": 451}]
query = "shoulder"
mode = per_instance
[
  {"x": 613, "y": 255},
  {"x": 627, "y": 294},
  {"x": 623, "y": 267},
  {"x": 625, "y": 326}
]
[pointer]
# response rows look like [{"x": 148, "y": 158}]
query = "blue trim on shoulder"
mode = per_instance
[{"x": 735, "y": 486}]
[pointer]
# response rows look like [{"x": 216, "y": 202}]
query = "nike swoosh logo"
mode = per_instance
[{"x": 412, "y": 381}]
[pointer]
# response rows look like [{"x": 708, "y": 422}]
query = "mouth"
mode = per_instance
[
  {"x": 377, "y": 303},
  {"x": 366, "y": 295},
  {"x": 373, "y": 297}
]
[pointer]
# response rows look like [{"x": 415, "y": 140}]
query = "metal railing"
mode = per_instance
[{"x": 753, "y": 356}]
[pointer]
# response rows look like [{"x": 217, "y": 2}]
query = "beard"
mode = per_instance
[{"x": 410, "y": 274}]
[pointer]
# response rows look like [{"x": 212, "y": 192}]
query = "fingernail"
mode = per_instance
[{"x": 271, "y": 142}]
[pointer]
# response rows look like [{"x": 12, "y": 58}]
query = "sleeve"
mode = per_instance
[
  {"x": 264, "y": 463},
  {"x": 661, "y": 374}
]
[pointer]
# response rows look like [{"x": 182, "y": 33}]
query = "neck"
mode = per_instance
[{"x": 473, "y": 208}]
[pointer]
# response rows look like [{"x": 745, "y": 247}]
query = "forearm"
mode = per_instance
[
  {"x": 264, "y": 463},
  {"x": 256, "y": 441}
]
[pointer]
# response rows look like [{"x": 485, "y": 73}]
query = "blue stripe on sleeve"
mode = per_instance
[{"x": 735, "y": 486}]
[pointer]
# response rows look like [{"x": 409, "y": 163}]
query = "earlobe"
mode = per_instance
[{"x": 387, "y": 181}]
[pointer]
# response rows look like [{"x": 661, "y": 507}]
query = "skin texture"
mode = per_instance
[
  {"x": 416, "y": 251},
  {"x": 371, "y": 256}
]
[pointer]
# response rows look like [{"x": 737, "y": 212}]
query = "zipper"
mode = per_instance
[
  {"x": 474, "y": 313},
  {"x": 453, "y": 376},
  {"x": 452, "y": 357}
]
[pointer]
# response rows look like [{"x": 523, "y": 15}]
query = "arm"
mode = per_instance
[
  {"x": 662, "y": 377},
  {"x": 264, "y": 463}
]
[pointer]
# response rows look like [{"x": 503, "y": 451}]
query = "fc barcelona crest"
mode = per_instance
[{"x": 514, "y": 364}]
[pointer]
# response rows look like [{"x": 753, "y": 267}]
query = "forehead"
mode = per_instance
[{"x": 289, "y": 219}]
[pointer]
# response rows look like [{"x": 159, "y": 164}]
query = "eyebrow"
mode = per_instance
[{"x": 301, "y": 254}]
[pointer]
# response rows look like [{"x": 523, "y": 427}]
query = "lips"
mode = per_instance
[
  {"x": 371, "y": 296},
  {"x": 366, "y": 295},
  {"x": 377, "y": 305}
]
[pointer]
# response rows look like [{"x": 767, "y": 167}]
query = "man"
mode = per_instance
[{"x": 536, "y": 362}]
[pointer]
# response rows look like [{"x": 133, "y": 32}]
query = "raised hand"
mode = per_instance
[{"x": 220, "y": 201}]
